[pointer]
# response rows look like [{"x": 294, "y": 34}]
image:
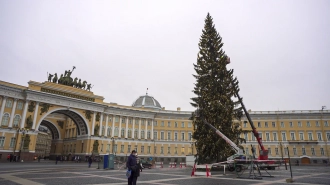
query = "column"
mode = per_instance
[
  {"x": 35, "y": 115},
  {"x": 24, "y": 113},
  {"x": 12, "y": 115},
  {"x": 126, "y": 130},
  {"x": 152, "y": 129},
  {"x": 119, "y": 134},
  {"x": 106, "y": 125},
  {"x": 93, "y": 123},
  {"x": 113, "y": 126},
  {"x": 2, "y": 108},
  {"x": 139, "y": 120},
  {"x": 146, "y": 129},
  {"x": 101, "y": 120},
  {"x": 133, "y": 131}
]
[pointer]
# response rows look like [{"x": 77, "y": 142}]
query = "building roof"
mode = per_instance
[{"x": 147, "y": 101}]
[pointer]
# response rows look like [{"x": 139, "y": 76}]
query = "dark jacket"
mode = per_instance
[{"x": 132, "y": 165}]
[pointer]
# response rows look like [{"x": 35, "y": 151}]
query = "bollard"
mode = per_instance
[{"x": 224, "y": 169}]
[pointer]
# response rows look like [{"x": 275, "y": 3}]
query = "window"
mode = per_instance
[
  {"x": 2, "y": 141},
  {"x": 253, "y": 137},
  {"x": 176, "y": 150},
  {"x": 310, "y": 136},
  {"x": 19, "y": 105},
  {"x": 129, "y": 133},
  {"x": 321, "y": 149},
  {"x": 273, "y": 124},
  {"x": 101, "y": 147},
  {"x": 247, "y": 150},
  {"x": 266, "y": 124},
  {"x": 283, "y": 136},
  {"x": 189, "y": 136},
  {"x": 182, "y": 136},
  {"x": 326, "y": 124},
  {"x": 285, "y": 151},
  {"x": 108, "y": 147},
  {"x": 148, "y": 134},
  {"x": 136, "y": 148},
  {"x": 282, "y": 124},
  {"x": 122, "y": 134},
  {"x": 169, "y": 135},
  {"x": 260, "y": 135},
  {"x": 9, "y": 103},
  {"x": 162, "y": 123},
  {"x": 267, "y": 137},
  {"x": 155, "y": 135},
  {"x": 276, "y": 151},
  {"x": 12, "y": 142},
  {"x": 121, "y": 148},
  {"x": 142, "y": 149},
  {"x": 116, "y": 131},
  {"x": 136, "y": 121},
  {"x": 313, "y": 151},
  {"x": 275, "y": 136},
  {"x": 142, "y": 122},
  {"x": 162, "y": 135},
  {"x": 155, "y": 123},
  {"x": 291, "y": 124},
  {"x": 169, "y": 124},
  {"x": 142, "y": 134},
  {"x": 303, "y": 151},
  {"x": 299, "y": 124},
  {"x": 162, "y": 150},
  {"x": 109, "y": 131},
  {"x": 301, "y": 136},
  {"x": 16, "y": 120},
  {"x": 328, "y": 136},
  {"x": 292, "y": 136},
  {"x": 149, "y": 123},
  {"x": 175, "y": 124},
  {"x": 259, "y": 124},
  {"x": 294, "y": 151},
  {"x": 189, "y": 124},
  {"x": 182, "y": 150},
  {"x": 123, "y": 120},
  {"x": 317, "y": 124},
  {"x": 135, "y": 133},
  {"x": 246, "y": 136},
  {"x": 182, "y": 125},
  {"x": 115, "y": 148},
  {"x": 244, "y": 124},
  {"x": 269, "y": 151},
  {"x": 103, "y": 130},
  {"x": 168, "y": 150},
  {"x": 175, "y": 136},
  {"x": 130, "y": 121},
  {"x": 308, "y": 124},
  {"x": 319, "y": 136},
  {"x": 117, "y": 119},
  {"x": 5, "y": 120}
]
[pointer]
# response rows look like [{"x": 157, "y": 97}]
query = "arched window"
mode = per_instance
[
  {"x": 129, "y": 133},
  {"x": 5, "y": 120},
  {"x": 142, "y": 134},
  {"x": 109, "y": 131},
  {"x": 136, "y": 133},
  {"x": 19, "y": 105},
  {"x": 16, "y": 120},
  {"x": 9, "y": 103},
  {"x": 136, "y": 121},
  {"x": 116, "y": 131},
  {"x": 148, "y": 134},
  {"x": 122, "y": 133}
]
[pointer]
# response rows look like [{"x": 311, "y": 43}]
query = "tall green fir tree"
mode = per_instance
[{"x": 215, "y": 98}]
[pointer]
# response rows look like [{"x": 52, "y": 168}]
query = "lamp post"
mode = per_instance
[
  {"x": 325, "y": 138},
  {"x": 192, "y": 148},
  {"x": 24, "y": 131}
]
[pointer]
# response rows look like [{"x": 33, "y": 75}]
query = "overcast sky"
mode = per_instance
[{"x": 280, "y": 50}]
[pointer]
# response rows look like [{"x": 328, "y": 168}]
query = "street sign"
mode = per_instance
[{"x": 150, "y": 158}]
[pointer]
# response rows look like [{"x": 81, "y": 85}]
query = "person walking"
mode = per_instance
[
  {"x": 138, "y": 162},
  {"x": 57, "y": 158},
  {"x": 134, "y": 167},
  {"x": 90, "y": 160}
]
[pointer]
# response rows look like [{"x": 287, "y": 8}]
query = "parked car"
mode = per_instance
[{"x": 146, "y": 164}]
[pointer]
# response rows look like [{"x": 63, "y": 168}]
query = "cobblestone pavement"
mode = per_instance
[{"x": 78, "y": 173}]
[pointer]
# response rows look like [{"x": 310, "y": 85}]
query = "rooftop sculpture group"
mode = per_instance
[{"x": 67, "y": 80}]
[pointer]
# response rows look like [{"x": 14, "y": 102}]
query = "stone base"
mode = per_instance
[{"x": 289, "y": 180}]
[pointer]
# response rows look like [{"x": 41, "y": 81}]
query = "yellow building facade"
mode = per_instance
[{"x": 82, "y": 124}]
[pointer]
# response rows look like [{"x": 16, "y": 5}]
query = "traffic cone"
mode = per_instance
[
  {"x": 207, "y": 171},
  {"x": 193, "y": 170}
]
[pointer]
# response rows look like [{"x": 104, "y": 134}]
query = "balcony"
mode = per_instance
[{"x": 302, "y": 142}]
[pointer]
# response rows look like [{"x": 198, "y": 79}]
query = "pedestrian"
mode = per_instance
[
  {"x": 138, "y": 162},
  {"x": 57, "y": 158},
  {"x": 39, "y": 158},
  {"x": 11, "y": 157},
  {"x": 134, "y": 167},
  {"x": 8, "y": 157},
  {"x": 90, "y": 160}
]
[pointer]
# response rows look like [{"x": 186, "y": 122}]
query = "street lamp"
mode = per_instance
[
  {"x": 23, "y": 131},
  {"x": 192, "y": 148},
  {"x": 325, "y": 138}
]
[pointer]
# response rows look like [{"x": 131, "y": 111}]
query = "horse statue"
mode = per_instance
[
  {"x": 79, "y": 84},
  {"x": 83, "y": 86},
  {"x": 89, "y": 87},
  {"x": 75, "y": 82},
  {"x": 55, "y": 78},
  {"x": 60, "y": 80},
  {"x": 50, "y": 77}
]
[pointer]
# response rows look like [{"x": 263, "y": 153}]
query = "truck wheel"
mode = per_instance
[{"x": 230, "y": 168}]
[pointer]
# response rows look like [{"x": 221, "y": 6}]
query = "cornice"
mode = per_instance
[{"x": 11, "y": 92}]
